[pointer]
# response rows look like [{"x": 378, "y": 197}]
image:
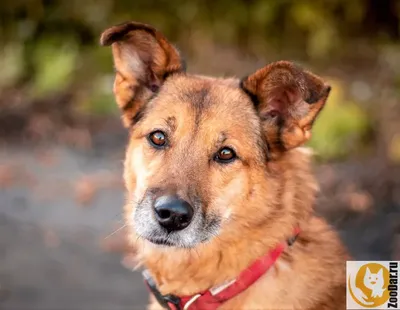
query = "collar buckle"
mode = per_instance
[
  {"x": 172, "y": 300},
  {"x": 166, "y": 301}
]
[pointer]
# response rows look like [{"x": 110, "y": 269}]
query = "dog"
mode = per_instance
[{"x": 220, "y": 192}]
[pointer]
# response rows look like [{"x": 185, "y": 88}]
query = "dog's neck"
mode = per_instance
[{"x": 186, "y": 272}]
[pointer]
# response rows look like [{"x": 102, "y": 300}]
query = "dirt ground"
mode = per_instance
[{"x": 58, "y": 205}]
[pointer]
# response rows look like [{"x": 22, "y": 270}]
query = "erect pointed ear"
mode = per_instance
[
  {"x": 143, "y": 59},
  {"x": 288, "y": 100}
]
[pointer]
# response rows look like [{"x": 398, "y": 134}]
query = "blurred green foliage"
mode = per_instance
[
  {"x": 54, "y": 65},
  {"x": 50, "y": 47},
  {"x": 340, "y": 127}
]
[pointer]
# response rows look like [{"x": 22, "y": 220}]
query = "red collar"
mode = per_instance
[{"x": 214, "y": 297}]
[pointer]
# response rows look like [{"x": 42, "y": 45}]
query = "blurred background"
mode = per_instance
[{"x": 62, "y": 144}]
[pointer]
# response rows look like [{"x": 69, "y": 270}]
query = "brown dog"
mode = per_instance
[{"x": 217, "y": 184}]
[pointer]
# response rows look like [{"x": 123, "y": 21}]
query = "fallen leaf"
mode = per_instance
[
  {"x": 85, "y": 190},
  {"x": 51, "y": 239},
  {"x": 7, "y": 176}
]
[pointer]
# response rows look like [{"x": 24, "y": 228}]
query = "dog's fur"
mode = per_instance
[{"x": 242, "y": 209}]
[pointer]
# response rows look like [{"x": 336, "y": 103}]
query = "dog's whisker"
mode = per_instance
[
  {"x": 116, "y": 231},
  {"x": 115, "y": 218}
]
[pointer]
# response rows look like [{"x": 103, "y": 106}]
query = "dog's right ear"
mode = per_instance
[{"x": 143, "y": 59}]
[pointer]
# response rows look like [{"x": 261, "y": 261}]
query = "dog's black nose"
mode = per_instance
[{"x": 173, "y": 213}]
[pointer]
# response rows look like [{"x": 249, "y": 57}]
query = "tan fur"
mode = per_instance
[{"x": 259, "y": 198}]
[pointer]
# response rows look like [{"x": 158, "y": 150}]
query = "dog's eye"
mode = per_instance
[
  {"x": 225, "y": 155},
  {"x": 157, "y": 139}
]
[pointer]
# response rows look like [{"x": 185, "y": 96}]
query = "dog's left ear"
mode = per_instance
[{"x": 288, "y": 100}]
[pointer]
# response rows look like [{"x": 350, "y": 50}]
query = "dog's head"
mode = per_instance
[{"x": 204, "y": 152}]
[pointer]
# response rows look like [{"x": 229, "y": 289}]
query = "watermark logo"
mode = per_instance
[{"x": 372, "y": 284}]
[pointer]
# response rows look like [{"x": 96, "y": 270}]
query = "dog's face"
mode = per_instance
[
  {"x": 192, "y": 152},
  {"x": 197, "y": 164}
]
